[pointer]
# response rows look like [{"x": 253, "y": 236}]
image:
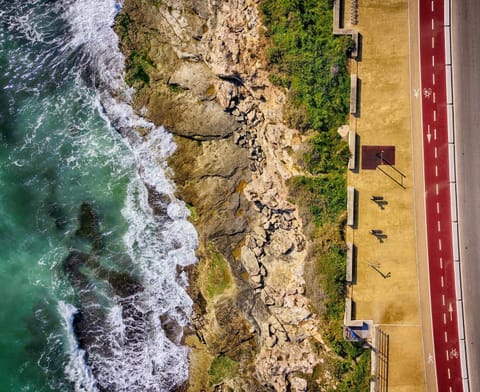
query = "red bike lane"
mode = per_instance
[{"x": 437, "y": 196}]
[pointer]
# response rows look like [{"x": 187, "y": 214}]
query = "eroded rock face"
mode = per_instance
[{"x": 209, "y": 86}]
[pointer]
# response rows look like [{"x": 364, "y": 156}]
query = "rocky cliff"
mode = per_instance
[{"x": 199, "y": 69}]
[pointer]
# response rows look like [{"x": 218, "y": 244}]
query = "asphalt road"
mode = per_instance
[
  {"x": 437, "y": 196},
  {"x": 466, "y": 79}
]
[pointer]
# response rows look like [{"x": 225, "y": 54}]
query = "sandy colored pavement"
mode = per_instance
[{"x": 391, "y": 276}]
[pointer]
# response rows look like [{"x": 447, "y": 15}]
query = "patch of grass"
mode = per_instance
[
  {"x": 193, "y": 212},
  {"x": 222, "y": 367},
  {"x": 137, "y": 64},
  {"x": 218, "y": 276},
  {"x": 358, "y": 380},
  {"x": 328, "y": 152},
  {"x": 175, "y": 88},
  {"x": 324, "y": 196}
]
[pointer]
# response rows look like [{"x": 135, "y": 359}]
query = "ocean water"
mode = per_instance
[{"x": 91, "y": 236}]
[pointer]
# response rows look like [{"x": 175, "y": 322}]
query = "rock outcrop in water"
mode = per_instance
[
  {"x": 200, "y": 70},
  {"x": 91, "y": 323}
]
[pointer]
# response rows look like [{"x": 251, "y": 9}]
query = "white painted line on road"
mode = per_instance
[
  {"x": 448, "y": 373},
  {"x": 451, "y": 130},
  {"x": 448, "y": 48},
  {"x": 438, "y": 226},
  {"x": 458, "y": 284},
  {"x": 453, "y": 201},
  {"x": 433, "y": 24},
  {"x": 433, "y": 42},
  {"x": 436, "y": 171},
  {"x": 448, "y": 81},
  {"x": 451, "y": 162},
  {"x": 461, "y": 331},
  {"x": 436, "y": 189},
  {"x": 434, "y": 133},
  {"x": 438, "y": 207},
  {"x": 434, "y": 97},
  {"x": 450, "y": 388},
  {"x": 433, "y": 60},
  {"x": 439, "y": 244},
  {"x": 432, "y": 6},
  {"x": 433, "y": 79},
  {"x": 434, "y": 115},
  {"x": 444, "y": 318},
  {"x": 463, "y": 359},
  {"x": 441, "y": 266},
  {"x": 436, "y": 153},
  {"x": 448, "y": 357},
  {"x": 443, "y": 297},
  {"x": 442, "y": 282},
  {"x": 446, "y": 15},
  {"x": 456, "y": 253},
  {"x": 446, "y": 340}
]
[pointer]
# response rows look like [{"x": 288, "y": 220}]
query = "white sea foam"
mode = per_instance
[
  {"x": 156, "y": 244},
  {"x": 76, "y": 369}
]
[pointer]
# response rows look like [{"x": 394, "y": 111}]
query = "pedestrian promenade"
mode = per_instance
[{"x": 382, "y": 263}]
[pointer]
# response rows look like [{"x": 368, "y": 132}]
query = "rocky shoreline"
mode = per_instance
[{"x": 204, "y": 77}]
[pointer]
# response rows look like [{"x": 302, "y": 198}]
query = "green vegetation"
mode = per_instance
[
  {"x": 309, "y": 61},
  {"x": 222, "y": 367},
  {"x": 193, "y": 212},
  {"x": 137, "y": 62},
  {"x": 136, "y": 66},
  {"x": 175, "y": 88},
  {"x": 358, "y": 380},
  {"x": 218, "y": 273},
  {"x": 312, "y": 65}
]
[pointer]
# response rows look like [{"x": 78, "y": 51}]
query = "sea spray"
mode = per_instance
[
  {"x": 156, "y": 244},
  {"x": 75, "y": 369}
]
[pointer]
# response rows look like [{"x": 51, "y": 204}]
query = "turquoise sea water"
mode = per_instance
[{"x": 67, "y": 145}]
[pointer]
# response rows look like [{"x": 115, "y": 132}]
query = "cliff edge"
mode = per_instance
[{"x": 199, "y": 69}]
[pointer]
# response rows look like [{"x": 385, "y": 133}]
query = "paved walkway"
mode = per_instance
[{"x": 386, "y": 281}]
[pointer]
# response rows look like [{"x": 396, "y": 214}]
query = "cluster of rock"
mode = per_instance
[{"x": 235, "y": 154}]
